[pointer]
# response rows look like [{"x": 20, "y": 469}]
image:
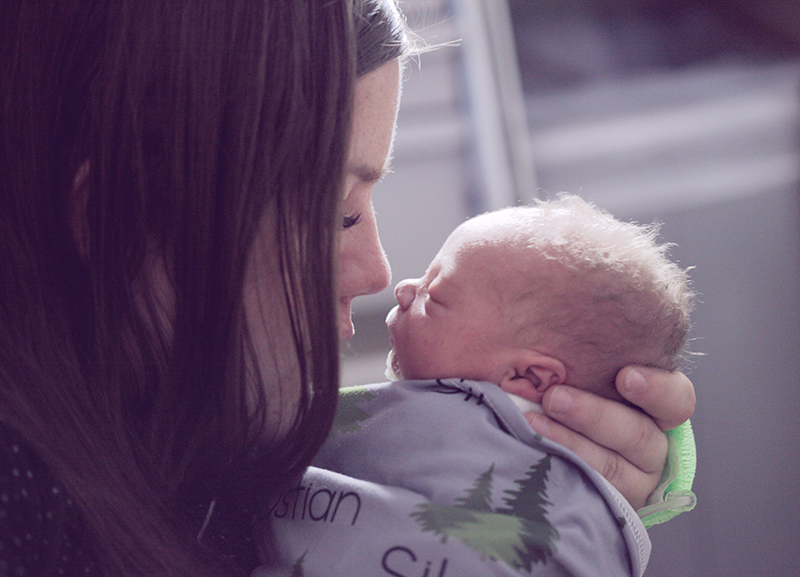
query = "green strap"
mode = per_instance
[{"x": 674, "y": 495}]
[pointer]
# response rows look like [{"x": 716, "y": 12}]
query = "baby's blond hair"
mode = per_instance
[{"x": 610, "y": 297}]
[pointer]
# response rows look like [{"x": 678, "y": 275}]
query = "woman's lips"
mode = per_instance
[{"x": 346, "y": 328}]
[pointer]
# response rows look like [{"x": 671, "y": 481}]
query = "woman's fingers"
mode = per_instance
[
  {"x": 625, "y": 445},
  {"x": 609, "y": 424},
  {"x": 633, "y": 483},
  {"x": 621, "y": 443},
  {"x": 668, "y": 398}
]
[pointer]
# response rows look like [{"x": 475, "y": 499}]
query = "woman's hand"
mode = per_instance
[{"x": 625, "y": 445}]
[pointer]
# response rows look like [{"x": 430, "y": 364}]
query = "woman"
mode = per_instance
[
  {"x": 171, "y": 184},
  {"x": 171, "y": 177}
]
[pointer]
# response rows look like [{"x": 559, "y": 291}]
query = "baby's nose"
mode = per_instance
[{"x": 404, "y": 292}]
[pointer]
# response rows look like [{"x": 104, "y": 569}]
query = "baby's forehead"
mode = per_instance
[
  {"x": 491, "y": 231},
  {"x": 498, "y": 241},
  {"x": 498, "y": 248},
  {"x": 493, "y": 251},
  {"x": 472, "y": 249}
]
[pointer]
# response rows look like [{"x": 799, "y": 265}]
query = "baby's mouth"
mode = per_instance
[{"x": 393, "y": 367}]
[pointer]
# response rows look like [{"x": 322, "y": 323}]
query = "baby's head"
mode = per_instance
[{"x": 530, "y": 297}]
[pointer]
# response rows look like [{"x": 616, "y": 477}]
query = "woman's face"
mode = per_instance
[{"x": 363, "y": 268}]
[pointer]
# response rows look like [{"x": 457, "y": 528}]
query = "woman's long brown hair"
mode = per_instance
[{"x": 126, "y": 360}]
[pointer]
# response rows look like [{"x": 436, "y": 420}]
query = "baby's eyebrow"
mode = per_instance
[{"x": 368, "y": 174}]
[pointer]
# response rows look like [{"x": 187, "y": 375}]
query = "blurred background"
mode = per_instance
[{"x": 682, "y": 111}]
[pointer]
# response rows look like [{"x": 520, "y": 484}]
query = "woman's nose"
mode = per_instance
[
  {"x": 364, "y": 269},
  {"x": 378, "y": 273},
  {"x": 404, "y": 292}
]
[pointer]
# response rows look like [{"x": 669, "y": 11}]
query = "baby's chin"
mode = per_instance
[{"x": 393, "y": 367}]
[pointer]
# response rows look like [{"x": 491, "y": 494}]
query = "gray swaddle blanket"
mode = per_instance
[{"x": 446, "y": 479}]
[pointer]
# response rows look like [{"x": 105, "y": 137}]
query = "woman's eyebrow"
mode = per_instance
[{"x": 368, "y": 174}]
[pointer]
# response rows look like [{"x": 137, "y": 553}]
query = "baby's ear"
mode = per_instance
[{"x": 531, "y": 374}]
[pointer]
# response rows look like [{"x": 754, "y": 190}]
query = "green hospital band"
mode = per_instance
[{"x": 674, "y": 495}]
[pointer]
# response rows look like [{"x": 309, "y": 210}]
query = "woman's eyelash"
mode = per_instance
[{"x": 351, "y": 220}]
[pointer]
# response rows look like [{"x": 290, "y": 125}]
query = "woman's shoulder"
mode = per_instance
[{"x": 40, "y": 528}]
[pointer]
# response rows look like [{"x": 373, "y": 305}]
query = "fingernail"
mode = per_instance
[
  {"x": 561, "y": 400},
  {"x": 635, "y": 382}
]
